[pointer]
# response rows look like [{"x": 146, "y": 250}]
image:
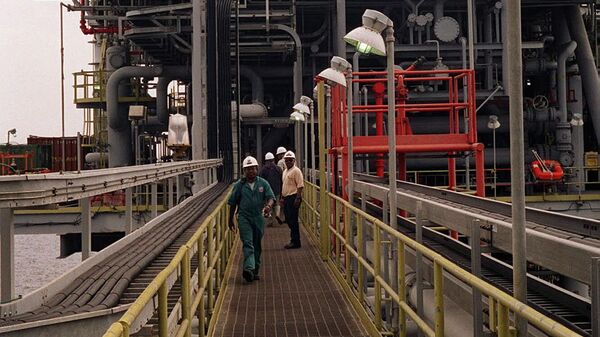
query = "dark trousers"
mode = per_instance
[{"x": 291, "y": 217}]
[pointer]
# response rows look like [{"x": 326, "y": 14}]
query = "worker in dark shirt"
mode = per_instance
[
  {"x": 253, "y": 198},
  {"x": 272, "y": 174}
]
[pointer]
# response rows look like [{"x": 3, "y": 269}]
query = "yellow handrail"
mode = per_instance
[
  {"x": 499, "y": 321},
  {"x": 219, "y": 241}
]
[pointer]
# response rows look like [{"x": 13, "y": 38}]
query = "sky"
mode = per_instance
[{"x": 30, "y": 78}]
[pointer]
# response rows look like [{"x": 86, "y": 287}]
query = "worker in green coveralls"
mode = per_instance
[{"x": 253, "y": 197}]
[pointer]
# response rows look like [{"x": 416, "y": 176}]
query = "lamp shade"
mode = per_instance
[
  {"x": 366, "y": 41},
  {"x": 493, "y": 122},
  {"x": 302, "y": 108},
  {"x": 333, "y": 76},
  {"x": 296, "y": 116},
  {"x": 577, "y": 120}
]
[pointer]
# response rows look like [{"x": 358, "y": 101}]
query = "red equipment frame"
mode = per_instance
[{"x": 455, "y": 81}]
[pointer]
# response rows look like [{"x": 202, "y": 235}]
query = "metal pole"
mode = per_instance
[
  {"x": 7, "y": 255},
  {"x": 595, "y": 297},
  {"x": 128, "y": 210},
  {"x": 517, "y": 162},
  {"x": 323, "y": 198},
  {"x": 170, "y": 193},
  {"x": 312, "y": 143},
  {"x": 341, "y": 27},
  {"x": 62, "y": 91},
  {"x": 495, "y": 174},
  {"x": 86, "y": 228},
  {"x": 154, "y": 200},
  {"x": 350, "y": 130},
  {"x": 305, "y": 148},
  {"x": 476, "y": 270},
  {"x": 259, "y": 152},
  {"x": 328, "y": 136},
  {"x": 389, "y": 39},
  {"x": 78, "y": 152}
]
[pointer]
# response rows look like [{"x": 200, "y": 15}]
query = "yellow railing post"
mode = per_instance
[
  {"x": 492, "y": 313},
  {"x": 209, "y": 285},
  {"x": 323, "y": 198},
  {"x": 219, "y": 255},
  {"x": 361, "y": 253},
  {"x": 163, "y": 315},
  {"x": 185, "y": 292},
  {"x": 502, "y": 320},
  {"x": 201, "y": 274},
  {"x": 377, "y": 269},
  {"x": 338, "y": 223},
  {"x": 438, "y": 281},
  {"x": 348, "y": 242},
  {"x": 401, "y": 288}
]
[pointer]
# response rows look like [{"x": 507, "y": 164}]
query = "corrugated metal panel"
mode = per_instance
[{"x": 53, "y": 147}]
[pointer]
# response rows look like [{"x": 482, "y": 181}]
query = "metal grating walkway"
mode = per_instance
[{"x": 296, "y": 295}]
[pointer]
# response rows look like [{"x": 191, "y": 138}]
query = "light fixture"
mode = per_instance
[
  {"x": 367, "y": 39},
  {"x": 576, "y": 120},
  {"x": 303, "y": 106},
  {"x": 335, "y": 73},
  {"x": 297, "y": 116},
  {"x": 493, "y": 122}
]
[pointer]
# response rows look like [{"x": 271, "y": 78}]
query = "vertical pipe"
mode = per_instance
[
  {"x": 199, "y": 99},
  {"x": 62, "y": 91},
  {"x": 259, "y": 153},
  {"x": 312, "y": 144},
  {"x": 327, "y": 112},
  {"x": 154, "y": 200},
  {"x": 389, "y": 39},
  {"x": 476, "y": 270},
  {"x": 128, "y": 210},
  {"x": 517, "y": 161},
  {"x": 78, "y": 152},
  {"x": 341, "y": 27},
  {"x": 401, "y": 286},
  {"x": 419, "y": 259},
  {"x": 86, "y": 228},
  {"x": 7, "y": 255},
  {"x": 305, "y": 147},
  {"x": 350, "y": 130},
  {"x": 323, "y": 199},
  {"x": 595, "y": 319},
  {"x": 170, "y": 193}
]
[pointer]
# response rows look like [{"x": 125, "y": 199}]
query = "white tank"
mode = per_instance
[{"x": 178, "y": 131}]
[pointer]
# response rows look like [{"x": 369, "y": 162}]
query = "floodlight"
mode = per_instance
[
  {"x": 297, "y": 116},
  {"x": 301, "y": 108},
  {"x": 367, "y": 39},
  {"x": 335, "y": 73},
  {"x": 576, "y": 120},
  {"x": 493, "y": 122}
]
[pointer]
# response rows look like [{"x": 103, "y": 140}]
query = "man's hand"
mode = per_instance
[
  {"x": 297, "y": 202},
  {"x": 232, "y": 226},
  {"x": 267, "y": 211}
]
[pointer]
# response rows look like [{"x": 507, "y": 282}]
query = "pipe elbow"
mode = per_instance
[{"x": 566, "y": 50}]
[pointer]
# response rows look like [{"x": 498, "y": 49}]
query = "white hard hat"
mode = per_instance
[
  {"x": 269, "y": 156},
  {"x": 250, "y": 161},
  {"x": 281, "y": 150},
  {"x": 289, "y": 154}
]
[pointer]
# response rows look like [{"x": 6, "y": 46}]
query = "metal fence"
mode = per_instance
[
  {"x": 343, "y": 239},
  {"x": 213, "y": 244}
]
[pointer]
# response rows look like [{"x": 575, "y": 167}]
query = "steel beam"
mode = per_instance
[
  {"x": 7, "y": 255},
  {"x": 42, "y": 189},
  {"x": 86, "y": 228}
]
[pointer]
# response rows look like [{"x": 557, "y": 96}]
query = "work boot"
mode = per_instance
[
  {"x": 292, "y": 245},
  {"x": 248, "y": 275}
]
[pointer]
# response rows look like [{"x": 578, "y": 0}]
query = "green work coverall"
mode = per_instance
[{"x": 251, "y": 223}]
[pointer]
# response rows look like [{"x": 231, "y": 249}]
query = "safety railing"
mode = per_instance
[
  {"x": 346, "y": 250},
  {"x": 212, "y": 243}
]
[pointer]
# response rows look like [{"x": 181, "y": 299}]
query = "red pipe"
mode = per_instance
[
  {"x": 379, "y": 88},
  {"x": 96, "y": 30}
]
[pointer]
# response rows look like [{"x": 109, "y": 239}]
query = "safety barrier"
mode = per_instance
[
  {"x": 346, "y": 257},
  {"x": 213, "y": 244}
]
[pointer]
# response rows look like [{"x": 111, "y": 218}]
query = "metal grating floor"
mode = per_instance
[{"x": 296, "y": 295}]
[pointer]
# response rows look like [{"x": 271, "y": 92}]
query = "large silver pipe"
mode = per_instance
[
  {"x": 566, "y": 51},
  {"x": 119, "y": 132},
  {"x": 256, "y": 82},
  {"x": 340, "y": 6},
  {"x": 438, "y": 9},
  {"x": 298, "y": 62},
  {"x": 169, "y": 74},
  {"x": 587, "y": 65}
]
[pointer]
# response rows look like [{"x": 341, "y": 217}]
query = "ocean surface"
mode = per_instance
[{"x": 37, "y": 262}]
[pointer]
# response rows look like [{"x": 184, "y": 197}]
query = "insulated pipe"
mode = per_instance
[
  {"x": 587, "y": 65},
  {"x": 566, "y": 51},
  {"x": 256, "y": 82},
  {"x": 119, "y": 133},
  {"x": 298, "y": 62},
  {"x": 169, "y": 74},
  {"x": 438, "y": 9}
]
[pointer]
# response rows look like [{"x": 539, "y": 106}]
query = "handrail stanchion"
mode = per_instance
[
  {"x": 347, "y": 243},
  {"x": 438, "y": 281},
  {"x": 401, "y": 287},
  {"x": 502, "y": 320},
  {"x": 377, "y": 268},
  {"x": 163, "y": 321},
  {"x": 185, "y": 292},
  {"x": 323, "y": 198},
  {"x": 201, "y": 276},
  {"x": 361, "y": 254}
]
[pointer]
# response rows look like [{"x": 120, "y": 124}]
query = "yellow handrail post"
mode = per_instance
[
  {"x": 201, "y": 274},
  {"x": 502, "y": 320},
  {"x": 438, "y": 281},
  {"x": 209, "y": 285},
  {"x": 220, "y": 253},
  {"x": 185, "y": 292},
  {"x": 163, "y": 320},
  {"x": 401, "y": 288},
  {"x": 348, "y": 243},
  {"x": 377, "y": 269},
  {"x": 323, "y": 198},
  {"x": 492, "y": 313},
  {"x": 338, "y": 223},
  {"x": 361, "y": 253}
]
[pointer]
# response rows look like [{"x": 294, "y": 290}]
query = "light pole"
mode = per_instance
[
  {"x": 297, "y": 117},
  {"x": 10, "y": 132},
  {"x": 303, "y": 107},
  {"x": 577, "y": 131},
  {"x": 493, "y": 124},
  {"x": 367, "y": 39}
]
